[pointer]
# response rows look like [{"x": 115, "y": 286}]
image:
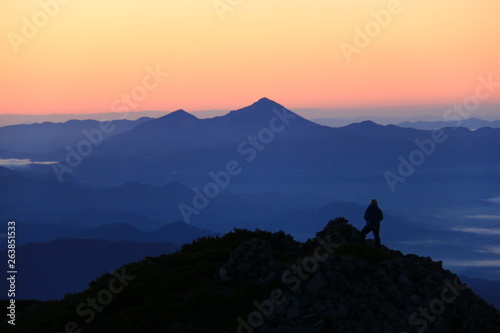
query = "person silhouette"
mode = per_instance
[{"x": 373, "y": 216}]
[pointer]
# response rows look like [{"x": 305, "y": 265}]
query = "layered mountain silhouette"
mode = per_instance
[
  {"x": 146, "y": 207},
  {"x": 146, "y": 213},
  {"x": 302, "y": 157},
  {"x": 117, "y": 227},
  {"x": 53, "y": 269}
]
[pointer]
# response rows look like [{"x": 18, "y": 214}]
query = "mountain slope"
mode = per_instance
[
  {"x": 49, "y": 137},
  {"x": 264, "y": 282}
]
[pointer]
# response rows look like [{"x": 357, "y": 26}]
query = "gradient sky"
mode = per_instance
[{"x": 91, "y": 52}]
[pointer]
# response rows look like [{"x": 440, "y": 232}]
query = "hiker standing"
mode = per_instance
[{"x": 373, "y": 216}]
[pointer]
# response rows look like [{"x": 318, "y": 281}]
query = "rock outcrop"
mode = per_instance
[{"x": 251, "y": 263}]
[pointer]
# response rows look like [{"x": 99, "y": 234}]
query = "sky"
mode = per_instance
[{"x": 92, "y": 56}]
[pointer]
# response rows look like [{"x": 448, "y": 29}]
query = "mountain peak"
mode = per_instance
[
  {"x": 179, "y": 115},
  {"x": 366, "y": 124},
  {"x": 177, "y": 120},
  {"x": 259, "y": 115},
  {"x": 266, "y": 104},
  {"x": 262, "y": 110},
  {"x": 265, "y": 100},
  {"x": 173, "y": 118}
]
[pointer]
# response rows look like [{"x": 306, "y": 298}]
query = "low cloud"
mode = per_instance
[
  {"x": 422, "y": 242},
  {"x": 490, "y": 249},
  {"x": 473, "y": 263},
  {"x": 484, "y": 217},
  {"x": 480, "y": 231},
  {"x": 13, "y": 163},
  {"x": 494, "y": 200}
]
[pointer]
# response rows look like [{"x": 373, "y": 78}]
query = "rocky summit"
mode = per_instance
[
  {"x": 338, "y": 284},
  {"x": 258, "y": 281}
]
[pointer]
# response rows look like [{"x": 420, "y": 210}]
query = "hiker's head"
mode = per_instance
[{"x": 374, "y": 202}]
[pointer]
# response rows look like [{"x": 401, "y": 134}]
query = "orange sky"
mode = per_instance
[{"x": 87, "y": 54}]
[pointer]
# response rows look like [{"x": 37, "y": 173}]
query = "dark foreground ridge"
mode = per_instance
[{"x": 258, "y": 281}]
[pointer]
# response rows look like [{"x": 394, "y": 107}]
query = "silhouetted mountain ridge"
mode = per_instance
[
  {"x": 179, "y": 118},
  {"x": 262, "y": 112},
  {"x": 471, "y": 123},
  {"x": 180, "y": 130}
]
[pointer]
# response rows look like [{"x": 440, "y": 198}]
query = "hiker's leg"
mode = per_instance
[
  {"x": 364, "y": 232},
  {"x": 376, "y": 233}
]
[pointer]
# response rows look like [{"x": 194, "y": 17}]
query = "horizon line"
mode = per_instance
[{"x": 327, "y": 109}]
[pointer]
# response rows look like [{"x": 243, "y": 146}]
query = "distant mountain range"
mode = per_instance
[
  {"x": 180, "y": 130},
  {"x": 177, "y": 233},
  {"x": 332, "y": 117},
  {"x": 304, "y": 156},
  {"x": 146, "y": 213},
  {"x": 146, "y": 207},
  {"x": 423, "y": 124},
  {"x": 22, "y": 119},
  {"x": 48, "y": 137},
  {"x": 173, "y": 132},
  {"x": 51, "y": 270},
  {"x": 471, "y": 123}
]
